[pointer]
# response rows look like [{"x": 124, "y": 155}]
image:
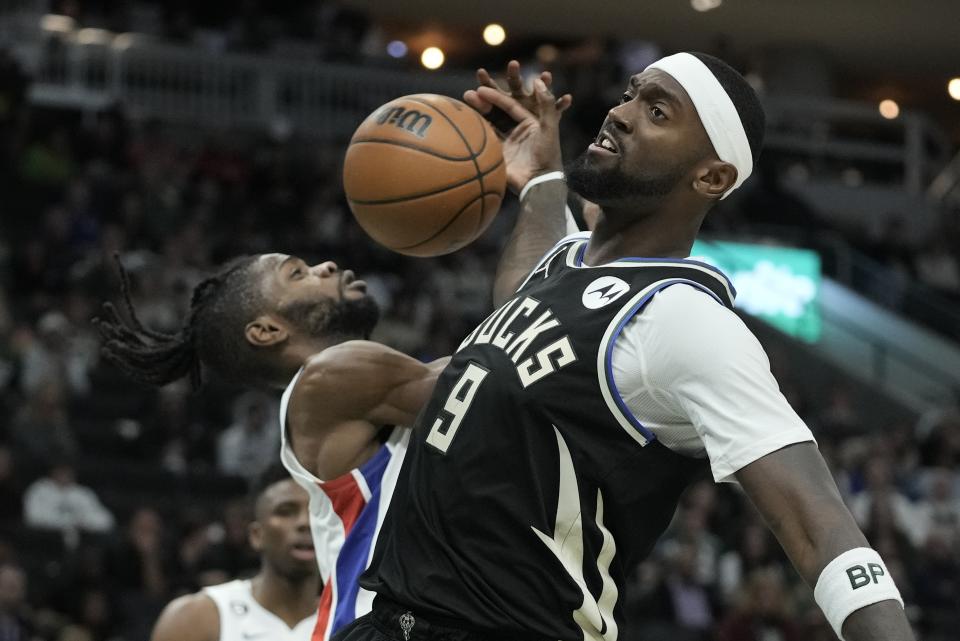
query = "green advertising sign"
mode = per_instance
[{"x": 777, "y": 284}]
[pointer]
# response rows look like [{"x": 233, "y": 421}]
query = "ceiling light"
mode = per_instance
[
  {"x": 953, "y": 88},
  {"x": 889, "y": 109},
  {"x": 396, "y": 49},
  {"x": 432, "y": 58},
  {"x": 494, "y": 34}
]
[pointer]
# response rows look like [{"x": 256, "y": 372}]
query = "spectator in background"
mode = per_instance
[
  {"x": 936, "y": 579},
  {"x": 940, "y": 510},
  {"x": 15, "y": 618},
  {"x": 139, "y": 570},
  {"x": 139, "y": 562},
  {"x": 881, "y": 509},
  {"x": 763, "y": 613},
  {"x": 754, "y": 552},
  {"x": 249, "y": 446},
  {"x": 41, "y": 430},
  {"x": 58, "y": 502},
  {"x": 679, "y": 608},
  {"x": 232, "y": 554},
  {"x": 11, "y": 489},
  {"x": 55, "y": 355}
]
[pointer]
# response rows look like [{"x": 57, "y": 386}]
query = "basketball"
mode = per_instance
[{"x": 424, "y": 175}]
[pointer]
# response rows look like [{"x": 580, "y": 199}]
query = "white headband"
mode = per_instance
[{"x": 717, "y": 112}]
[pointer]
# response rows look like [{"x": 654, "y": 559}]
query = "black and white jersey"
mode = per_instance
[{"x": 531, "y": 488}]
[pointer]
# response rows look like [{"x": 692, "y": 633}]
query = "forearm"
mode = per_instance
[
  {"x": 884, "y": 620},
  {"x": 541, "y": 223},
  {"x": 813, "y": 549},
  {"x": 794, "y": 491}
]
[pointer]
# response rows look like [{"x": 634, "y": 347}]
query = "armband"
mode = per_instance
[{"x": 855, "y": 579}]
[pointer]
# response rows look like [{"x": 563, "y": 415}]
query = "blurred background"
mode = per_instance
[{"x": 183, "y": 133}]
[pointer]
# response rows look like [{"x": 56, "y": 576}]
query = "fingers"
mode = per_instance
[
  {"x": 563, "y": 103},
  {"x": 507, "y": 103},
  {"x": 472, "y": 98},
  {"x": 484, "y": 79},
  {"x": 547, "y": 78},
  {"x": 514, "y": 79}
]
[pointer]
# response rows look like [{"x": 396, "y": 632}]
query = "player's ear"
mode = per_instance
[
  {"x": 265, "y": 331},
  {"x": 713, "y": 178},
  {"x": 255, "y": 535}
]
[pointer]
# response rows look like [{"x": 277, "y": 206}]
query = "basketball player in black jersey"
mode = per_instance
[{"x": 558, "y": 439}]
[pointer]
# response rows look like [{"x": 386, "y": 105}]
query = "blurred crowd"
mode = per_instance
[{"x": 115, "y": 498}]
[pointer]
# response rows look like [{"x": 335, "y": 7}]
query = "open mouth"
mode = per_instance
[
  {"x": 349, "y": 282},
  {"x": 606, "y": 143},
  {"x": 303, "y": 551}
]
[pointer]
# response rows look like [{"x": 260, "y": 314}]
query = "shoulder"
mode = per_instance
[
  {"x": 690, "y": 328},
  {"x": 192, "y": 617},
  {"x": 337, "y": 358}
]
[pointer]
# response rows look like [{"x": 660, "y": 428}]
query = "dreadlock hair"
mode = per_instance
[{"x": 213, "y": 336}]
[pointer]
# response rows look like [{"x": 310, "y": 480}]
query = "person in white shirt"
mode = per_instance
[
  {"x": 241, "y": 447},
  {"x": 58, "y": 502},
  {"x": 280, "y": 602}
]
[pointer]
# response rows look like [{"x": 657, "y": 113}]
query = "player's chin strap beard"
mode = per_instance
[{"x": 716, "y": 110}]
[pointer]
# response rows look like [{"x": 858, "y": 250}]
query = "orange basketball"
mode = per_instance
[{"x": 424, "y": 175}]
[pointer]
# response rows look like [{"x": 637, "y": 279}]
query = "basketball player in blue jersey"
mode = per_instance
[
  {"x": 556, "y": 444},
  {"x": 280, "y": 602},
  {"x": 272, "y": 321}
]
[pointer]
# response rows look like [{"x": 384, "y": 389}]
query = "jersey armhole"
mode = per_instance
[
  {"x": 287, "y": 455},
  {"x": 566, "y": 240},
  {"x": 608, "y": 386}
]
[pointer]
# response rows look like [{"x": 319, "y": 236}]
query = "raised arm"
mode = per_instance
[
  {"x": 794, "y": 491},
  {"x": 345, "y": 394},
  {"x": 531, "y": 149}
]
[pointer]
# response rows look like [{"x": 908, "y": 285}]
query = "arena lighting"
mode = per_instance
[
  {"x": 705, "y": 5},
  {"x": 494, "y": 34},
  {"x": 432, "y": 58},
  {"x": 396, "y": 49},
  {"x": 953, "y": 88},
  {"x": 889, "y": 109},
  {"x": 54, "y": 22}
]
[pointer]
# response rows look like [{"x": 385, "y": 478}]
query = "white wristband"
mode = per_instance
[
  {"x": 542, "y": 178},
  {"x": 855, "y": 579}
]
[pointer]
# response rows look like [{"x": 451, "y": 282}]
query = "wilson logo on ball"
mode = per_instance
[{"x": 408, "y": 119}]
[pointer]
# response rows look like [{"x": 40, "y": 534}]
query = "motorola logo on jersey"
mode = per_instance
[{"x": 604, "y": 291}]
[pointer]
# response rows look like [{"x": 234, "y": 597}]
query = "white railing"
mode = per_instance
[{"x": 91, "y": 69}]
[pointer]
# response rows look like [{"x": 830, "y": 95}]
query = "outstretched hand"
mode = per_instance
[{"x": 532, "y": 146}]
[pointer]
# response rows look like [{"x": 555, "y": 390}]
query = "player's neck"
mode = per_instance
[
  {"x": 291, "y": 600},
  {"x": 661, "y": 233},
  {"x": 296, "y": 354}
]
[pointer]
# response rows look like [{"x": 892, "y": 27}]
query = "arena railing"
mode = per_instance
[{"x": 93, "y": 68}]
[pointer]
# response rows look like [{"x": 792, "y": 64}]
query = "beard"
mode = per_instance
[
  {"x": 326, "y": 319},
  {"x": 605, "y": 185}
]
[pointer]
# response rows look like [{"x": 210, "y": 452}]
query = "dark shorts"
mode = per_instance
[{"x": 388, "y": 621}]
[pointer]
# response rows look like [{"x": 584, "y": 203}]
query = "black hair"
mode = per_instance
[
  {"x": 213, "y": 336},
  {"x": 275, "y": 473},
  {"x": 744, "y": 98}
]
